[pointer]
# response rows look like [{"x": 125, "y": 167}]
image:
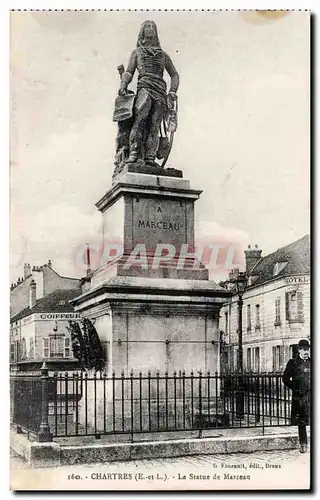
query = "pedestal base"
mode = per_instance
[
  {"x": 142, "y": 168},
  {"x": 156, "y": 324},
  {"x": 130, "y": 406}
]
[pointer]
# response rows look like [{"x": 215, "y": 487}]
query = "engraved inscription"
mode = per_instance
[{"x": 169, "y": 226}]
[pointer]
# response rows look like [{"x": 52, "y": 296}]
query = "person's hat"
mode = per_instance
[{"x": 304, "y": 344}]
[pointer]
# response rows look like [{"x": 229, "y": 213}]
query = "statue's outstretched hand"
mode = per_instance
[{"x": 122, "y": 89}]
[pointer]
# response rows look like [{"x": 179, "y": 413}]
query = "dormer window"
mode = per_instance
[{"x": 278, "y": 267}]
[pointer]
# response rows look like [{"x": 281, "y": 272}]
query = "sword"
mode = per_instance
[{"x": 165, "y": 159}]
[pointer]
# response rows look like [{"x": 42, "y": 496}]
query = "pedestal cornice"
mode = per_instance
[
  {"x": 127, "y": 289},
  {"x": 148, "y": 185}
]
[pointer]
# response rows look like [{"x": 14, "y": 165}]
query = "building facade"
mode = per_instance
[
  {"x": 46, "y": 279},
  {"x": 276, "y": 308},
  {"x": 40, "y": 311}
]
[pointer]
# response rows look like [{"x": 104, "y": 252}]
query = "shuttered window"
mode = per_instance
[
  {"x": 300, "y": 306},
  {"x": 46, "y": 347},
  {"x": 12, "y": 352},
  {"x": 286, "y": 354},
  {"x": 273, "y": 358},
  {"x": 294, "y": 306},
  {"x": 232, "y": 358},
  {"x": 249, "y": 359},
  {"x": 257, "y": 359},
  {"x": 293, "y": 350},
  {"x": 248, "y": 317},
  {"x": 281, "y": 356},
  {"x": 31, "y": 349},
  {"x": 287, "y": 306},
  {"x": 277, "y": 357},
  {"x": 67, "y": 347},
  {"x": 23, "y": 349},
  {"x": 257, "y": 316},
  {"x": 56, "y": 346},
  {"x": 277, "y": 311},
  {"x": 226, "y": 330}
]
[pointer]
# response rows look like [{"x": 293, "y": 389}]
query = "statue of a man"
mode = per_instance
[{"x": 151, "y": 102}]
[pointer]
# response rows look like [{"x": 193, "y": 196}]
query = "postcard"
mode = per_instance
[{"x": 160, "y": 250}]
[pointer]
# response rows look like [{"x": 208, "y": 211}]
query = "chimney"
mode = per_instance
[
  {"x": 88, "y": 260},
  {"x": 26, "y": 271},
  {"x": 233, "y": 274},
  {"x": 32, "y": 294},
  {"x": 49, "y": 263},
  {"x": 253, "y": 255}
]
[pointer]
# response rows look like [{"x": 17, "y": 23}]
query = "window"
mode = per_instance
[
  {"x": 62, "y": 302},
  {"x": 12, "y": 352},
  {"x": 294, "y": 306},
  {"x": 257, "y": 359},
  {"x": 23, "y": 349},
  {"x": 18, "y": 350},
  {"x": 226, "y": 323},
  {"x": 67, "y": 347},
  {"x": 56, "y": 346},
  {"x": 277, "y": 357},
  {"x": 31, "y": 348},
  {"x": 46, "y": 347},
  {"x": 248, "y": 318},
  {"x": 277, "y": 320},
  {"x": 293, "y": 350},
  {"x": 231, "y": 357},
  {"x": 257, "y": 317},
  {"x": 249, "y": 359},
  {"x": 278, "y": 267}
]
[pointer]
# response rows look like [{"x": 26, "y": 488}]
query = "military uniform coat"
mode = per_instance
[{"x": 297, "y": 378}]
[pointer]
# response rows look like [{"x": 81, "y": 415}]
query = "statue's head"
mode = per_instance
[{"x": 148, "y": 34}]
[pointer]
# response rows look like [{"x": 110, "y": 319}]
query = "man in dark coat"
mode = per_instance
[{"x": 297, "y": 378}]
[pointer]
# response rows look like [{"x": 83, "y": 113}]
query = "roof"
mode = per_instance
[
  {"x": 60, "y": 276},
  {"x": 296, "y": 255},
  {"x": 40, "y": 268},
  {"x": 51, "y": 303}
]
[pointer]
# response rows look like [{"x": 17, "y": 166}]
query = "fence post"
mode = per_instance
[
  {"x": 44, "y": 434},
  {"x": 200, "y": 404},
  {"x": 257, "y": 399}
]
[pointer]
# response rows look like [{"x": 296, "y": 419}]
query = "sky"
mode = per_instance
[{"x": 243, "y": 126}]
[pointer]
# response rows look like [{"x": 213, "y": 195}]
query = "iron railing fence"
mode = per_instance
[{"x": 82, "y": 404}]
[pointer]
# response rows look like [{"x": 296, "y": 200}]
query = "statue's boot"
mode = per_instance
[
  {"x": 150, "y": 160},
  {"x": 133, "y": 156}
]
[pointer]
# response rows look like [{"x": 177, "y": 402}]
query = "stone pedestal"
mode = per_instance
[
  {"x": 153, "y": 318},
  {"x": 156, "y": 324},
  {"x": 152, "y": 215}
]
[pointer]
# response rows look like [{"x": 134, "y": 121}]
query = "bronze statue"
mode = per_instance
[{"x": 147, "y": 120}]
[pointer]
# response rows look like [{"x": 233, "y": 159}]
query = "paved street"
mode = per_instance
[
  {"x": 271, "y": 457},
  {"x": 275, "y": 470}
]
